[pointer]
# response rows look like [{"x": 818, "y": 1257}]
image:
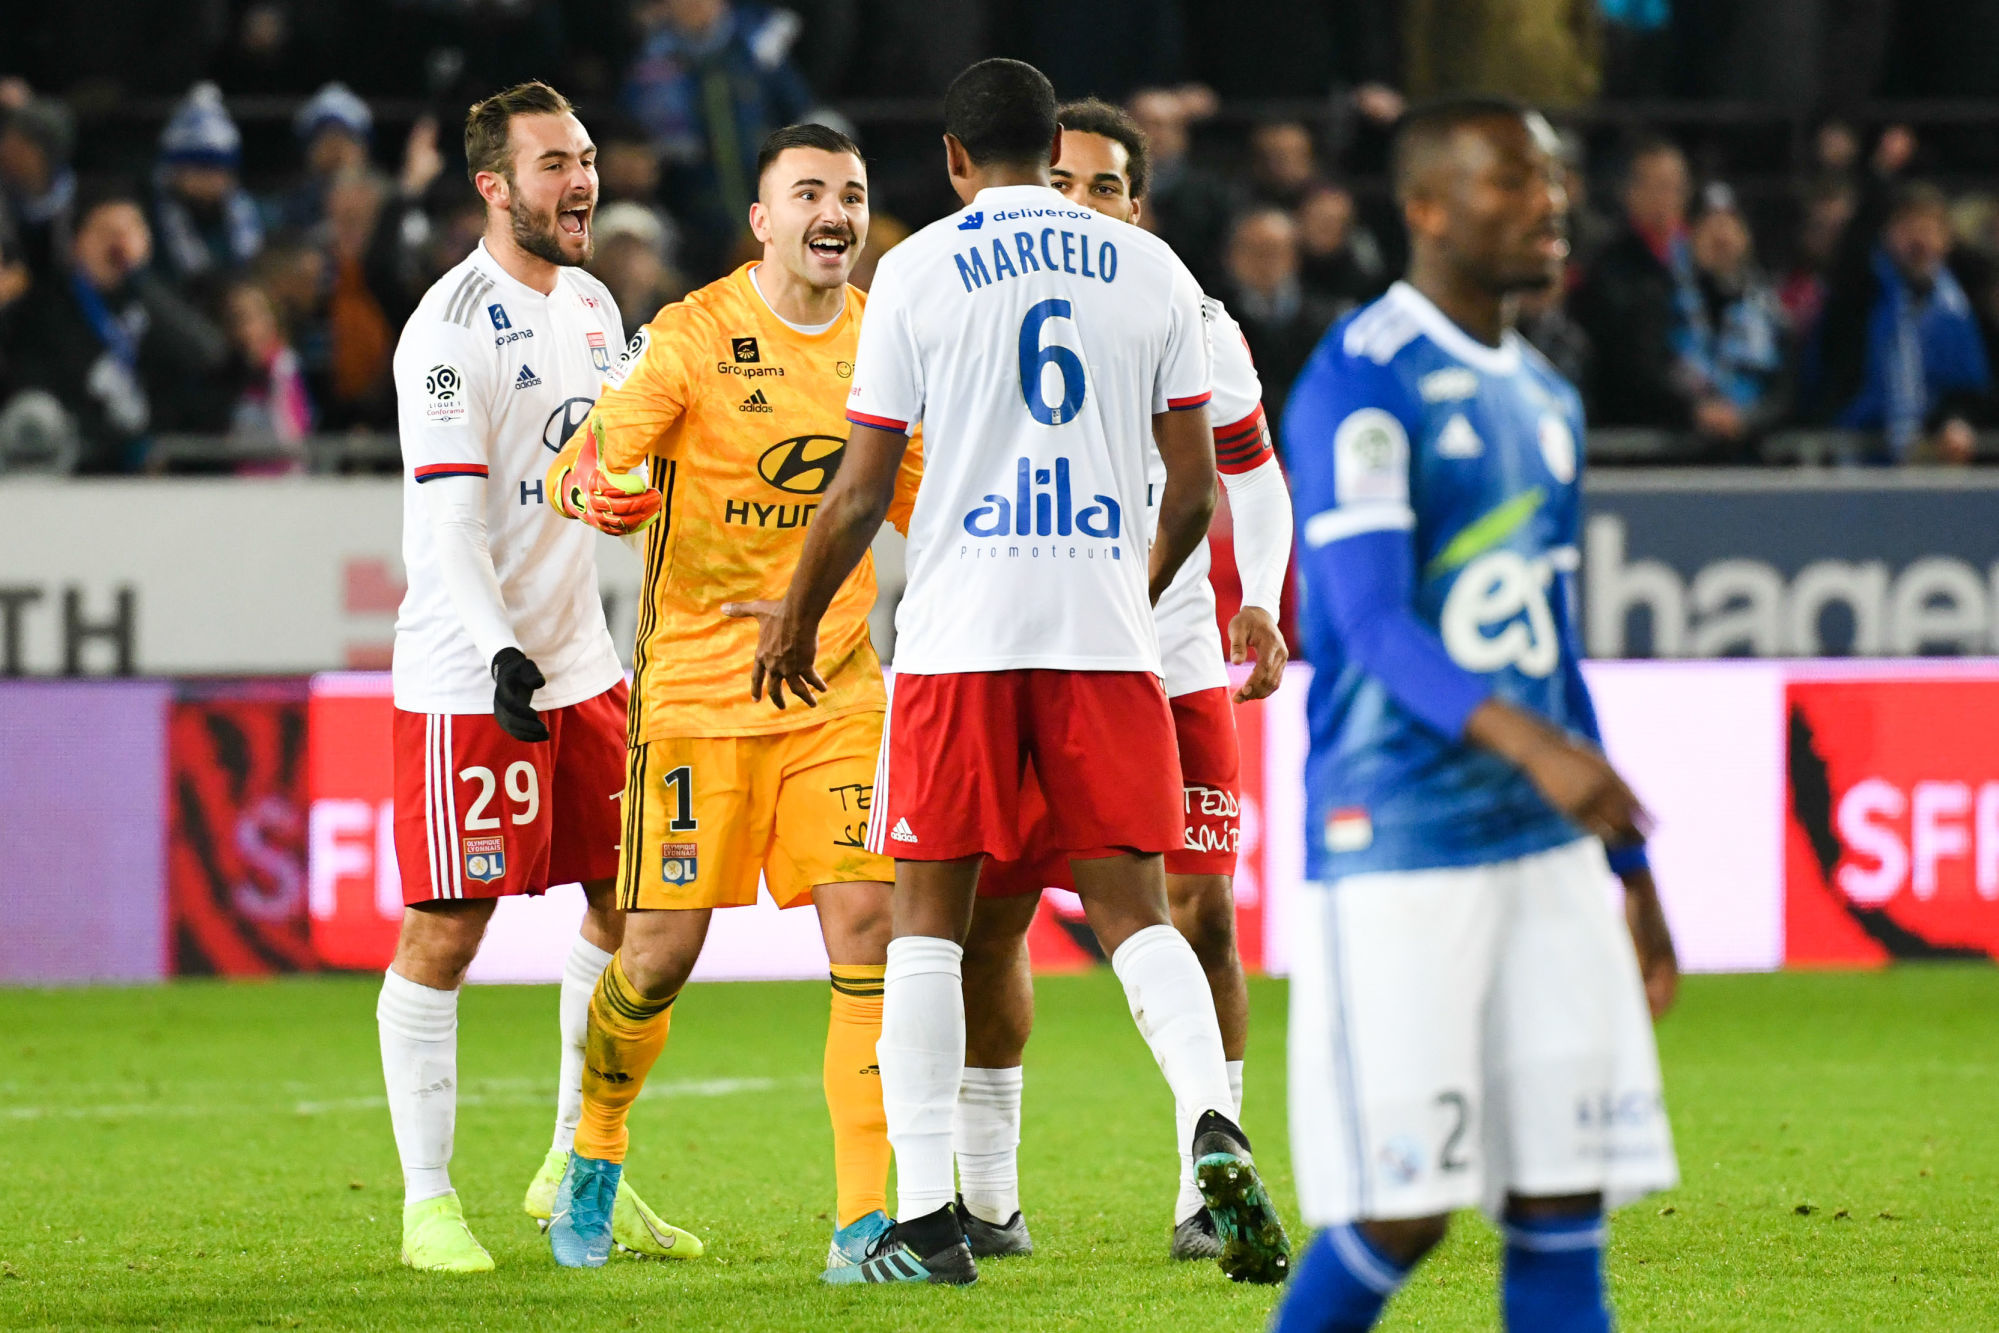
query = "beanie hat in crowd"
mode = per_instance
[
  {"x": 1716, "y": 197},
  {"x": 200, "y": 134},
  {"x": 334, "y": 106}
]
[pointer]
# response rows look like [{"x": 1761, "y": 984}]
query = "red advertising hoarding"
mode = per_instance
[
  {"x": 236, "y": 856},
  {"x": 1891, "y": 840},
  {"x": 355, "y": 889}
]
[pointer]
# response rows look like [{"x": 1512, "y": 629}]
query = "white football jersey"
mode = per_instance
[
  {"x": 491, "y": 377},
  {"x": 1190, "y": 641},
  {"x": 1034, "y": 341}
]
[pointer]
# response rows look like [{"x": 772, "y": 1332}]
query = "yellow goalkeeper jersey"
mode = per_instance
[{"x": 740, "y": 420}]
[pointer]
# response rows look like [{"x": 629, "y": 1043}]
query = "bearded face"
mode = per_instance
[
  {"x": 557, "y": 235},
  {"x": 551, "y": 188}
]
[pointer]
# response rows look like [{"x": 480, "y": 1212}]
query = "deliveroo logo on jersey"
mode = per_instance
[
  {"x": 1496, "y": 614},
  {"x": 1042, "y": 506}
]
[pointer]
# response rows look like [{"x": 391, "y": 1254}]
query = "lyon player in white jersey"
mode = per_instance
[
  {"x": 1103, "y": 167},
  {"x": 509, "y": 728},
  {"x": 1044, "y": 348}
]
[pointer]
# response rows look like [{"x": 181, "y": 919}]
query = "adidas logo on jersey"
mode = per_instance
[
  {"x": 901, "y": 831},
  {"x": 527, "y": 379},
  {"x": 1459, "y": 440},
  {"x": 756, "y": 402}
]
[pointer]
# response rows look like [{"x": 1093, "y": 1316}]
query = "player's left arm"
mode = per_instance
[
  {"x": 1658, "y": 960},
  {"x": 907, "y": 478},
  {"x": 883, "y": 407},
  {"x": 851, "y": 514},
  {"x": 1261, "y": 505},
  {"x": 1651, "y": 937},
  {"x": 1182, "y": 388},
  {"x": 1259, "y": 501},
  {"x": 1187, "y": 502},
  {"x": 596, "y": 477}
]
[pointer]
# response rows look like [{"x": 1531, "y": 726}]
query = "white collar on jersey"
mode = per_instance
[
  {"x": 1025, "y": 187},
  {"x": 809, "y": 330},
  {"x": 484, "y": 258},
  {"x": 1441, "y": 330}
]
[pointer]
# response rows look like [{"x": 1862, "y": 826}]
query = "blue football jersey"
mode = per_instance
[{"x": 1445, "y": 471}]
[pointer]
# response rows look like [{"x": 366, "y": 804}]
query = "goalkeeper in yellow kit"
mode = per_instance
[{"x": 734, "y": 405}]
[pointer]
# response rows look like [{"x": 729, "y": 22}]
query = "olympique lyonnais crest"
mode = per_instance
[
  {"x": 678, "y": 862},
  {"x": 600, "y": 352},
  {"x": 485, "y": 859}
]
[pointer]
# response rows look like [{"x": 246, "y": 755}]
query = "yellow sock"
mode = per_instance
[
  {"x": 854, "y": 1092},
  {"x": 627, "y": 1033}
]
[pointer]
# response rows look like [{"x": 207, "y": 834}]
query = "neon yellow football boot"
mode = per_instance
[
  {"x": 540, "y": 1202},
  {"x": 635, "y": 1228},
  {"x": 436, "y": 1239}
]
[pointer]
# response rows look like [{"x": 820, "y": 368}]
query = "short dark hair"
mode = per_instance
[
  {"x": 1427, "y": 128},
  {"x": 489, "y": 125},
  {"x": 1001, "y": 111},
  {"x": 822, "y": 137},
  {"x": 1649, "y": 145},
  {"x": 1093, "y": 115},
  {"x": 97, "y": 192},
  {"x": 1917, "y": 197}
]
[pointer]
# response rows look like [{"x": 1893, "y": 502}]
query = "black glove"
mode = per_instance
[{"x": 515, "y": 679}]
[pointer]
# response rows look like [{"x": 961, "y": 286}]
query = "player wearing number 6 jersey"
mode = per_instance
[
  {"x": 1103, "y": 167},
  {"x": 734, "y": 406},
  {"x": 508, "y": 732},
  {"x": 1043, "y": 347}
]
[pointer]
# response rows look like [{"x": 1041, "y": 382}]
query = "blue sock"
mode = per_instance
[
  {"x": 1339, "y": 1286},
  {"x": 1554, "y": 1275}
]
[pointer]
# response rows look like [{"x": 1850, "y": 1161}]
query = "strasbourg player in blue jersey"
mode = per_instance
[
  {"x": 1440, "y": 477},
  {"x": 1469, "y": 1021}
]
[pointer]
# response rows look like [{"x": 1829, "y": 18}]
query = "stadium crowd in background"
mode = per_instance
[{"x": 172, "y": 265}]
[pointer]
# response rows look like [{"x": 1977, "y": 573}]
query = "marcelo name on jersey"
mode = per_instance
[
  {"x": 1032, "y": 249},
  {"x": 1404, "y": 422}
]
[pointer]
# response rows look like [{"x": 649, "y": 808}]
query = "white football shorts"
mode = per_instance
[{"x": 1461, "y": 1034}]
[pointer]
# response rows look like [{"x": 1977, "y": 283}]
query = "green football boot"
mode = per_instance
[
  {"x": 1254, "y": 1247},
  {"x": 436, "y": 1239}
]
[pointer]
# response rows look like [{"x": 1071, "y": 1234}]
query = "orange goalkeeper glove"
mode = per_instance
[{"x": 615, "y": 502}]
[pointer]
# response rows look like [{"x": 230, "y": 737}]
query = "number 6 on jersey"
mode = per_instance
[{"x": 1035, "y": 359}]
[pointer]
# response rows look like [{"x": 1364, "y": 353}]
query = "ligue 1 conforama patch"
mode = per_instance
[
  {"x": 679, "y": 862},
  {"x": 444, "y": 395},
  {"x": 485, "y": 859}
]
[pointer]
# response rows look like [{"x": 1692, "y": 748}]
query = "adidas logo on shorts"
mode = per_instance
[
  {"x": 901, "y": 831},
  {"x": 756, "y": 402}
]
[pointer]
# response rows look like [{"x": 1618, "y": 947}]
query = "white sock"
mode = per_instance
[
  {"x": 1190, "y": 1200},
  {"x": 586, "y": 963},
  {"x": 986, "y": 1139},
  {"x": 1175, "y": 1012},
  {"x": 922, "y": 1057},
  {"x": 419, "y": 1029}
]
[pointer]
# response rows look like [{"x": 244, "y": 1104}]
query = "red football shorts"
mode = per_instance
[
  {"x": 482, "y": 815},
  {"x": 957, "y": 749},
  {"x": 1210, "y": 769}
]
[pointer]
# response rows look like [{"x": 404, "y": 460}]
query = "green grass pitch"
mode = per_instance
[{"x": 204, "y": 1155}]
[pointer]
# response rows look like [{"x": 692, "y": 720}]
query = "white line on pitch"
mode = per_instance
[{"x": 472, "y": 1096}]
